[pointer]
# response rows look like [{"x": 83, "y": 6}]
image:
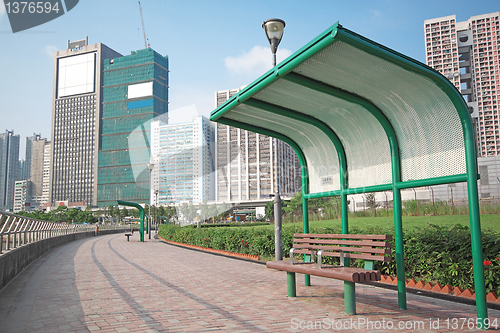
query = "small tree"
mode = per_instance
[{"x": 371, "y": 202}]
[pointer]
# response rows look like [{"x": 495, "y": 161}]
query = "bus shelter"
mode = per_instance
[{"x": 364, "y": 118}]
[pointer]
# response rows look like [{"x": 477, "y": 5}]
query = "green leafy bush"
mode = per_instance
[{"x": 433, "y": 253}]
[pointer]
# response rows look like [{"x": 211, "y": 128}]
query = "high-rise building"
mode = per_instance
[
  {"x": 35, "y": 152},
  {"x": 9, "y": 168},
  {"x": 76, "y": 121},
  {"x": 22, "y": 196},
  {"x": 44, "y": 199},
  {"x": 29, "y": 145},
  {"x": 245, "y": 163},
  {"x": 467, "y": 54},
  {"x": 184, "y": 156},
  {"x": 135, "y": 92},
  {"x": 37, "y": 169}
]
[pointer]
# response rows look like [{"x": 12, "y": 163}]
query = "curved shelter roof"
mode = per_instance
[
  {"x": 363, "y": 118},
  {"x": 369, "y": 104}
]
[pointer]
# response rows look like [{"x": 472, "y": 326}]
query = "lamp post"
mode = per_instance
[
  {"x": 274, "y": 32},
  {"x": 151, "y": 165},
  {"x": 156, "y": 211}
]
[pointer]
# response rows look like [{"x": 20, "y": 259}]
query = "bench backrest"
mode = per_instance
[{"x": 367, "y": 247}]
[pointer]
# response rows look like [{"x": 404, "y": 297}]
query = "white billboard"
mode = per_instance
[
  {"x": 140, "y": 90},
  {"x": 76, "y": 75}
]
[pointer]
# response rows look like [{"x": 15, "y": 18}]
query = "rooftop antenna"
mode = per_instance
[{"x": 146, "y": 45}]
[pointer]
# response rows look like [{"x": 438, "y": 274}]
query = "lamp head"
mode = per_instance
[{"x": 274, "y": 32}]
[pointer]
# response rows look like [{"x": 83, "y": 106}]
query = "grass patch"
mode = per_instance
[{"x": 488, "y": 222}]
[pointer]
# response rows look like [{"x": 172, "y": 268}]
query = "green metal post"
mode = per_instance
[
  {"x": 141, "y": 211},
  {"x": 350, "y": 297},
  {"x": 290, "y": 284},
  {"x": 475, "y": 226},
  {"x": 305, "y": 229},
  {"x": 398, "y": 238}
]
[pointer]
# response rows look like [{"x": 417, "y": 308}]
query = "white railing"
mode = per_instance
[{"x": 16, "y": 230}]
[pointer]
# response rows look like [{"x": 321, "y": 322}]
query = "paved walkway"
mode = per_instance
[{"x": 107, "y": 284}]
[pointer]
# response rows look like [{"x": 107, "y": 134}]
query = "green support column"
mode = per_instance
[
  {"x": 305, "y": 229},
  {"x": 475, "y": 225},
  {"x": 398, "y": 238},
  {"x": 290, "y": 284}
]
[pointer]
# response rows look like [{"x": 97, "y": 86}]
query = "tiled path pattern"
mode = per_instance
[{"x": 107, "y": 284}]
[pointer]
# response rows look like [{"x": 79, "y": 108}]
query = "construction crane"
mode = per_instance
[{"x": 146, "y": 45}]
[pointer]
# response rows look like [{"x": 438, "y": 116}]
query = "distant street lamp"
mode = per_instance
[
  {"x": 151, "y": 165},
  {"x": 274, "y": 32},
  {"x": 156, "y": 211}
]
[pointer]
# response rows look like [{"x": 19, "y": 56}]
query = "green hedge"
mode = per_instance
[{"x": 432, "y": 254}]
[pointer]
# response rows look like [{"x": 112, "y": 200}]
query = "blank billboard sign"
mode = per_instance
[
  {"x": 76, "y": 75},
  {"x": 140, "y": 90}
]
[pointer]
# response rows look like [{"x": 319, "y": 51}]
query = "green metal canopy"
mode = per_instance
[{"x": 364, "y": 118}]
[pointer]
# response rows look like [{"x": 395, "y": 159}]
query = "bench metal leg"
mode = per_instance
[
  {"x": 307, "y": 277},
  {"x": 290, "y": 284},
  {"x": 127, "y": 237},
  {"x": 350, "y": 297}
]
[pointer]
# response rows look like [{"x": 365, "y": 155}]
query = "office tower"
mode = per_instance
[
  {"x": 467, "y": 54},
  {"x": 135, "y": 91},
  {"x": 44, "y": 199},
  {"x": 29, "y": 145},
  {"x": 22, "y": 196},
  {"x": 9, "y": 168},
  {"x": 76, "y": 126},
  {"x": 245, "y": 168},
  {"x": 39, "y": 167},
  {"x": 184, "y": 154}
]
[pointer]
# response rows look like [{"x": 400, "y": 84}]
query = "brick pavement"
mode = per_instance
[{"x": 107, "y": 284}]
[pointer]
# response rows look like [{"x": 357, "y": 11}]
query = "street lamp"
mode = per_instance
[
  {"x": 274, "y": 32},
  {"x": 156, "y": 211},
  {"x": 151, "y": 165}
]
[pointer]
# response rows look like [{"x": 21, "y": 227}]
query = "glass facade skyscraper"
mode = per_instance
[
  {"x": 135, "y": 92},
  {"x": 184, "y": 157}
]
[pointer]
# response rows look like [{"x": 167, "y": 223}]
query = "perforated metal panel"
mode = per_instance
[
  {"x": 426, "y": 123},
  {"x": 320, "y": 153},
  {"x": 364, "y": 140}
]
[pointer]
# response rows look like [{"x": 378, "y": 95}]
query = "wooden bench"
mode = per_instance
[{"x": 315, "y": 247}]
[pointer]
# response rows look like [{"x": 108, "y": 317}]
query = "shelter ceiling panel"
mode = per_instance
[
  {"x": 319, "y": 151},
  {"x": 425, "y": 120},
  {"x": 365, "y": 142}
]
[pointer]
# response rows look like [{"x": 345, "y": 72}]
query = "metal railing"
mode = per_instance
[{"x": 16, "y": 230}]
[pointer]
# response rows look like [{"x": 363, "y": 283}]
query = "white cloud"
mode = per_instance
[
  {"x": 254, "y": 62},
  {"x": 49, "y": 50}
]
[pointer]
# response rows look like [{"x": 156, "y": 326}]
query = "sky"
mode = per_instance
[{"x": 211, "y": 45}]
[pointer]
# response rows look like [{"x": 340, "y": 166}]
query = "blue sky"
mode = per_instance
[{"x": 211, "y": 44}]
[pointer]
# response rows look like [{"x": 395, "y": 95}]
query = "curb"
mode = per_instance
[
  {"x": 447, "y": 292},
  {"x": 235, "y": 255}
]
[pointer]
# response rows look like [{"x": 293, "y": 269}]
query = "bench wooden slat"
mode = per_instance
[
  {"x": 348, "y": 255},
  {"x": 341, "y": 242},
  {"x": 353, "y": 274},
  {"x": 344, "y": 249},
  {"x": 344, "y": 236}
]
